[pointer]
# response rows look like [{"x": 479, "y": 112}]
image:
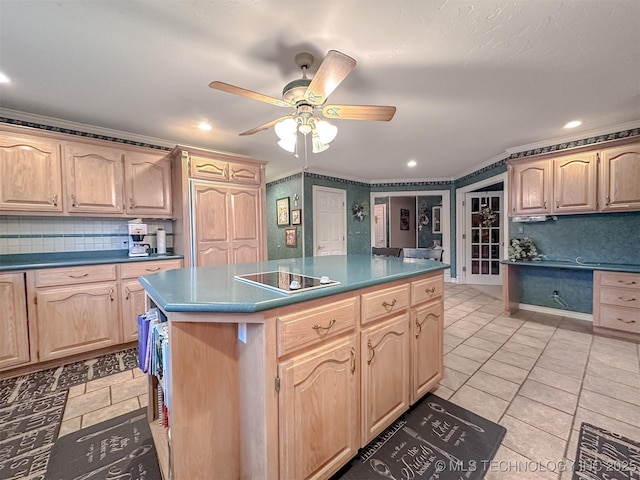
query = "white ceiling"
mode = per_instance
[{"x": 470, "y": 79}]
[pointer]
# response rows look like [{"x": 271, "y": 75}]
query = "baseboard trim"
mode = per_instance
[{"x": 556, "y": 311}]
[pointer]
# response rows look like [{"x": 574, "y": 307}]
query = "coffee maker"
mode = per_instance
[{"x": 137, "y": 248}]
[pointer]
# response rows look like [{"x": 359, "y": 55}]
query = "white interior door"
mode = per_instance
[
  {"x": 329, "y": 221},
  {"x": 483, "y": 239},
  {"x": 380, "y": 212}
]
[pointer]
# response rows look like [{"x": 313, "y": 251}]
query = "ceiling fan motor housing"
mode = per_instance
[{"x": 294, "y": 91}]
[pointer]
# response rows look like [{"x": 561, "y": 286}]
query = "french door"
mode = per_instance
[{"x": 484, "y": 237}]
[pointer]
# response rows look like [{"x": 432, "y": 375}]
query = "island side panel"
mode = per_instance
[
  {"x": 259, "y": 402},
  {"x": 204, "y": 418}
]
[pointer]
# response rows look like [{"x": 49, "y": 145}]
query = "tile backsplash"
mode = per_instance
[{"x": 27, "y": 234}]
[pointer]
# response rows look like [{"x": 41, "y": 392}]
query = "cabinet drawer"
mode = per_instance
[
  {"x": 244, "y": 174},
  {"x": 384, "y": 302},
  {"x": 137, "y": 269},
  {"x": 307, "y": 327},
  {"x": 208, "y": 169},
  {"x": 626, "y": 280},
  {"x": 427, "y": 289},
  {"x": 620, "y": 318},
  {"x": 623, "y": 297},
  {"x": 74, "y": 275}
]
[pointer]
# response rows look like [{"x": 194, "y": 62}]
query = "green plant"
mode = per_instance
[{"x": 522, "y": 249}]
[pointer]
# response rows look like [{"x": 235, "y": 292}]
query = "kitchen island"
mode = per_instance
[{"x": 265, "y": 384}]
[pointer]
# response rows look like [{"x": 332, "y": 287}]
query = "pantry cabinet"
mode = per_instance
[
  {"x": 14, "y": 341},
  {"x": 30, "y": 174}
]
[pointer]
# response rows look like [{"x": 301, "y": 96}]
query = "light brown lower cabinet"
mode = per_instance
[
  {"x": 314, "y": 382},
  {"x": 616, "y": 304},
  {"x": 14, "y": 340},
  {"x": 319, "y": 390},
  {"x": 77, "y": 319},
  {"x": 384, "y": 358}
]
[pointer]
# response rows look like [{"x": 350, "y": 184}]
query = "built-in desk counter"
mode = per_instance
[{"x": 268, "y": 385}]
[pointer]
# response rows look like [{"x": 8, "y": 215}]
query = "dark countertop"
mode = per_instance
[
  {"x": 610, "y": 267},
  {"x": 29, "y": 261},
  {"x": 214, "y": 289}
]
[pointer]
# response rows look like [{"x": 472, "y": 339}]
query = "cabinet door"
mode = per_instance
[
  {"x": 245, "y": 173},
  {"x": 531, "y": 188},
  {"x": 318, "y": 403},
  {"x": 619, "y": 174},
  {"x": 94, "y": 179},
  {"x": 147, "y": 184},
  {"x": 76, "y": 319},
  {"x": 30, "y": 174},
  {"x": 245, "y": 230},
  {"x": 427, "y": 337},
  {"x": 14, "y": 340},
  {"x": 211, "y": 223},
  {"x": 385, "y": 374},
  {"x": 574, "y": 183},
  {"x": 132, "y": 294}
]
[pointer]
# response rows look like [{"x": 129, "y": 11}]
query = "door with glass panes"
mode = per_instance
[{"x": 484, "y": 237}]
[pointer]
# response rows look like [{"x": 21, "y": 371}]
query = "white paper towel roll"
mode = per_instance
[{"x": 161, "y": 241}]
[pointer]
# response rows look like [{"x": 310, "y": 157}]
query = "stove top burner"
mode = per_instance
[{"x": 286, "y": 282}]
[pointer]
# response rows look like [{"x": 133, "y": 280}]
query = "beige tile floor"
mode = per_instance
[{"x": 538, "y": 375}]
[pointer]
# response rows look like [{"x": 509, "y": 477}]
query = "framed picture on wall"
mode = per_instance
[
  {"x": 291, "y": 237},
  {"x": 282, "y": 211},
  {"x": 404, "y": 219},
  {"x": 296, "y": 216},
  {"x": 436, "y": 222}
]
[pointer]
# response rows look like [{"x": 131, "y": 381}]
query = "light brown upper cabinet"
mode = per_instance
[
  {"x": 147, "y": 184},
  {"x": 30, "y": 174},
  {"x": 620, "y": 178},
  {"x": 94, "y": 178},
  {"x": 586, "y": 181}
]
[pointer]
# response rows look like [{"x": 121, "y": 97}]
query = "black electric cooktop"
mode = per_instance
[{"x": 286, "y": 282}]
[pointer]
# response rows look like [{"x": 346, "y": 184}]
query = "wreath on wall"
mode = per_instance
[{"x": 358, "y": 212}]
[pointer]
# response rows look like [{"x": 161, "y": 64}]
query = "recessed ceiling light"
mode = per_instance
[
  {"x": 204, "y": 126},
  {"x": 4, "y": 78},
  {"x": 412, "y": 163},
  {"x": 573, "y": 124}
]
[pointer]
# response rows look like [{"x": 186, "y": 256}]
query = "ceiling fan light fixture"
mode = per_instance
[
  {"x": 316, "y": 144},
  {"x": 286, "y": 129},
  {"x": 288, "y": 144},
  {"x": 326, "y": 131}
]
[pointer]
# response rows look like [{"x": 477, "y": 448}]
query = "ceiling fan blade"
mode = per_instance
[
  {"x": 265, "y": 126},
  {"x": 359, "y": 112},
  {"x": 225, "y": 87},
  {"x": 333, "y": 70}
]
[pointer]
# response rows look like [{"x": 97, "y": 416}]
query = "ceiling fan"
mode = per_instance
[{"x": 307, "y": 96}]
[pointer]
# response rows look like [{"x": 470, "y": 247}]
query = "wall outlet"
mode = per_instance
[{"x": 124, "y": 243}]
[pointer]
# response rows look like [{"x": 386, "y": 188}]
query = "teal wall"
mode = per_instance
[
  {"x": 286, "y": 187},
  {"x": 358, "y": 233},
  {"x": 591, "y": 238}
]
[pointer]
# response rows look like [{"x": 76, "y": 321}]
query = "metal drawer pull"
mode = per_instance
[
  {"x": 389, "y": 306},
  {"x": 79, "y": 276},
  {"x": 318, "y": 327},
  {"x": 419, "y": 324},
  {"x": 148, "y": 269},
  {"x": 430, "y": 291},
  {"x": 127, "y": 292},
  {"x": 54, "y": 200},
  {"x": 632, "y": 282},
  {"x": 625, "y": 321},
  {"x": 74, "y": 202},
  {"x": 131, "y": 203},
  {"x": 372, "y": 350},
  {"x": 353, "y": 360},
  {"x": 627, "y": 299},
  {"x": 111, "y": 294}
]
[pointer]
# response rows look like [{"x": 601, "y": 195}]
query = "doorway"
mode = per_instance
[
  {"x": 329, "y": 221},
  {"x": 484, "y": 237},
  {"x": 380, "y": 219}
]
